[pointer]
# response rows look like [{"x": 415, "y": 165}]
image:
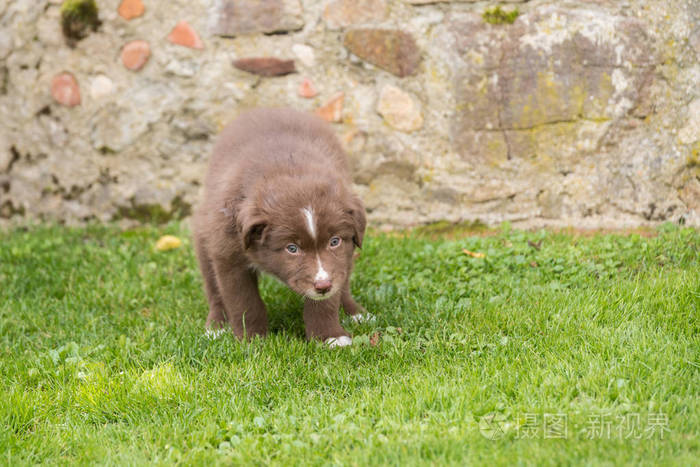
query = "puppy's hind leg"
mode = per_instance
[
  {"x": 217, "y": 316},
  {"x": 353, "y": 309}
]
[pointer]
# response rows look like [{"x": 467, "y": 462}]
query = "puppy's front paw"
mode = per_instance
[
  {"x": 341, "y": 341},
  {"x": 363, "y": 317}
]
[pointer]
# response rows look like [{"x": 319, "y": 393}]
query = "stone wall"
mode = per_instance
[{"x": 583, "y": 113}]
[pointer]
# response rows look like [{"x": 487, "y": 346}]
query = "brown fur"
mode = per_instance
[{"x": 267, "y": 166}]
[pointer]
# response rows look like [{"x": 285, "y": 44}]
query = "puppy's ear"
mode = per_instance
[
  {"x": 356, "y": 210},
  {"x": 251, "y": 226},
  {"x": 254, "y": 232}
]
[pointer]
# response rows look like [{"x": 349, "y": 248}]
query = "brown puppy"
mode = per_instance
[{"x": 277, "y": 199}]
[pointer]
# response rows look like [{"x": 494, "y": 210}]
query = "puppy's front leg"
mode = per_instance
[
  {"x": 354, "y": 310},
  {"x": 322, "y": 322},
  {"x": 245, "y": 310},
  {"x": 351, "y": 307}
]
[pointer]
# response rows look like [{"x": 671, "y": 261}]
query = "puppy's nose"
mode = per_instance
[{"x": 322, "y": 286}]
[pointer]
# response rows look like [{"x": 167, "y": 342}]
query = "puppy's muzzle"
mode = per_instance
[{"x": 322, "y": 287}]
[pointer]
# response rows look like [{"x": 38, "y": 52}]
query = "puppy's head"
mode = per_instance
[{"x": 304, "y": 233}]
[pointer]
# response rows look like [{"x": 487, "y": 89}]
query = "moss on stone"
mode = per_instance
[
  {"x": 498, "y": 15},
  {"x": 496, "y": 149},
  {"x": 446, "y": 229},
  {"x": 155, "y": 213},
  {"x": 694, "y": 157},
  {"x": 78, "y": 18}
]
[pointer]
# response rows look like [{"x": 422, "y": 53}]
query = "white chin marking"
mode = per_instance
[
  {"x": 322, "y": 274},
  {"x": 214, "y": 333},
  {"x": 363, "y": 318},
  {"x": 309, "y": 214},
  {"x": 319, "y": 297},
  {"x": 341, "y": 341}
]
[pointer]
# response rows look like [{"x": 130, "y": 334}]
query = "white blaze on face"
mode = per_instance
[
  {"x": 322, "y": 274},
  {"x": 309, "y": 214}
]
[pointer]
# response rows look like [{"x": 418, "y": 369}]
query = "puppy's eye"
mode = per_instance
[
  {"x": 335, "y": 241},
  {"x": 292, "y": 248}
]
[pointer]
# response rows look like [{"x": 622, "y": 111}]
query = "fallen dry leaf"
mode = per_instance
[
  {"x": 473, "y": 254},
  {"x": 374, "y": 339},
  {"x": 168, "y": 242}
]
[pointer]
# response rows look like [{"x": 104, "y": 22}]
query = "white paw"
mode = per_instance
[
  {"x": 341, "y": 341},
  {"x": 363, "y": 318},
  {"x": 214, "y": 333}
]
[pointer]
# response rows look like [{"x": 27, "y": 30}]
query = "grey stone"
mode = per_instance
[
  {"x": 5, "y": 43},
  {"x": 552, "y": 66},
  {"x": 343, "y": 13},
  {"x": 398, "y": 109},
  {"x": 101, "y": 86},
  {"x": 6, "y": 158},
  {"x": 241, "y": 17},
  {"x": 305, "y": 54},
  {"x": 428, "y": 2},
  {"x": 690, "y": 133},
  {"x": 117, "y": 126},
  {"x": 694, "y": 40},
  {"x": 182, "y": 68},
  {"x": 392, "y": 50}
]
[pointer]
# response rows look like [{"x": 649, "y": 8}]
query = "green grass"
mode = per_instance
[{"x": 103, "y": 358}]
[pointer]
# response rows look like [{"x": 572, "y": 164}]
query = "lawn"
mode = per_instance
[{"x": 553, "y": 348}]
